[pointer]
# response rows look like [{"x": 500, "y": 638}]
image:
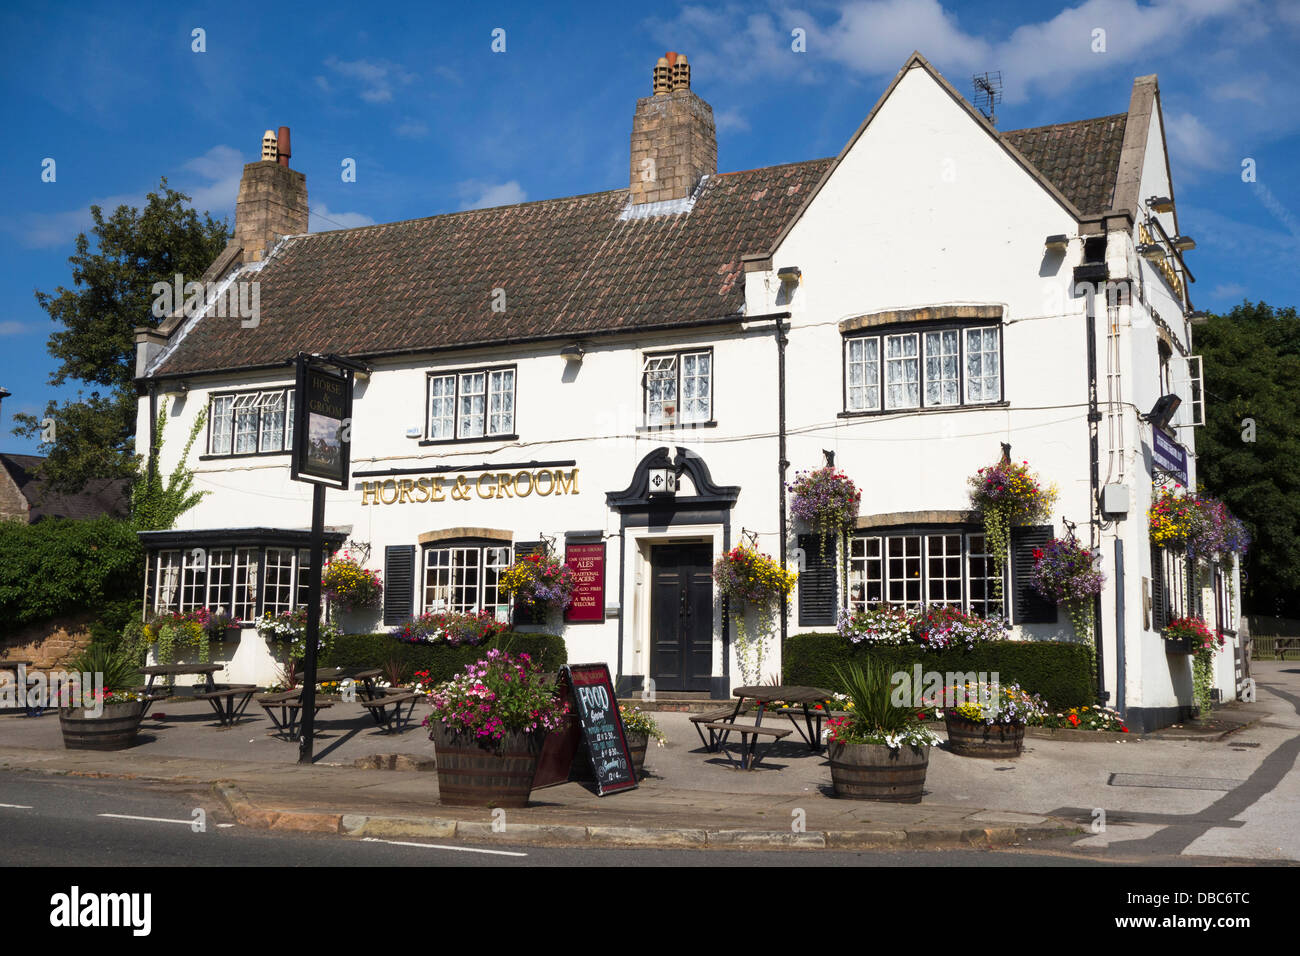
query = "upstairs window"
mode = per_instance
[
  {"x": 473, "y": 403},
  {"x": 930, "y": 368},
  {"x": 678, "y": 388},
  {"x": 251, "y": 423}
]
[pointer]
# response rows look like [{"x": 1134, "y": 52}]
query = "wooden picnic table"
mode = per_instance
[
  {"x": 812, "y": 703},
  {"x": 154, "y": 671},
  {"x": 364, "y": 675}
]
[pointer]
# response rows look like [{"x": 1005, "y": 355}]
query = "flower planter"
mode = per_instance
[
  {"x": 114, "y": 729},
  {"x": 878, "y": 772},
  {"x": 637, "y": 745},
  {"x": 1179, "y": 645},
  {"x": 973, "y": 738},
  {"x": 489, "y": 775}
]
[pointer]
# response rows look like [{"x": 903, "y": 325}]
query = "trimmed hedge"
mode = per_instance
[
  {"x": 1064, "y": 675},
  {"x": 441, "y": 661}
]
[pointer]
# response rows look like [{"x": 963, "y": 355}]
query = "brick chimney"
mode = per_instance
[
  {"x": 674, "y": 142},
  {"x": 272, "y": 199}
]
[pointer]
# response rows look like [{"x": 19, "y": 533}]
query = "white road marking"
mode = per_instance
[
  {"x": 435, "y": 846},
  {"x": 14, "y": 806},
  {"x": 125, "y": 816}
]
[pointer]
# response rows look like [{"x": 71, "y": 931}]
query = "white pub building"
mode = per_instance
[{"x": 936, "y": 290}]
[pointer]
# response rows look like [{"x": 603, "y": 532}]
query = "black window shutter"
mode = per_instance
[
  {"x": 1030, "y": 606},
  {"x": 1159, "y": 592},
  {"x": 522, "y": 550},
  {"x": 817, "y": 582},
  {"x": 399, "y": 583}
]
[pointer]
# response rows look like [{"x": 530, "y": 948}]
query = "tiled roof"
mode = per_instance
[
  {"x": 100, "y": 496},
  {"x": 567, "y": 267},
  {"x": 1081, "y": 159}
]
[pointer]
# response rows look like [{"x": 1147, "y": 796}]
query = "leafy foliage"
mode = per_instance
[
  {"x": 1252, "y": 362},
  {"x": 155, "y": 506},
  {"x": 63, "y": 566},
  {"x": 111, "y": 295},
  {"x": 120, "y": 671},
  {"x": 441, "y": 661}
]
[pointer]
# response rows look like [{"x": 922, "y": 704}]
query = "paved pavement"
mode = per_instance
[{"x": 1228, "y": 793}]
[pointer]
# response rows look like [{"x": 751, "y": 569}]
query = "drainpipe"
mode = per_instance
[
  {"x": 153, "y": 420},
  {"x": 1120, "y": 653},
  {"x": 1094, "y": 505},
  {"x": 782, "y": 464}
]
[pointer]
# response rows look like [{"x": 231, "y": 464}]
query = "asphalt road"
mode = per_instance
[{"x": 74, "y": 822}]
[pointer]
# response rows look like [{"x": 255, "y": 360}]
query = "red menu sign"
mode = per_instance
[{"x": 588, "y": 563}]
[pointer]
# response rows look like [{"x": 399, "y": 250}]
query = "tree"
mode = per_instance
[
  {"x": 94, "y": 436},
  {"x": 1248, "y": 451}
]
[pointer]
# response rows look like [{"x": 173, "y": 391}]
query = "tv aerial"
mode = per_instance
[{"x": 988, "y": 94}]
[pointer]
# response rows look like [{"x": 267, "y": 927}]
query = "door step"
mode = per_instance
[{"x": 679, "y": 703}]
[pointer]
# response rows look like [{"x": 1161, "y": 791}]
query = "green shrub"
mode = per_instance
[
  {"x": 441, "y": 661},
  {"x": 1062, "y": 674},
  {"x": 64, "y": 566},
  {"x": 114, "y": 616}
]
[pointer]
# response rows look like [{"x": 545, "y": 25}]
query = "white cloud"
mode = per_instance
[
  {"x": 1190, "y": 141},
  {"x": 320, "y": 219},
  {"x": 1227, "y": 291},
  {"x": 376, "y": 79},
  {"x": 412, "y": 129},
  {"x": 222, "y": 167},
  {"x": 476, "y": 194},
  {"x": 731, "y": 121},
  {"x": 16, "y": 328}
]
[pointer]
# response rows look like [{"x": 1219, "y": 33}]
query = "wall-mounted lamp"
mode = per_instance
[
  {"x": 790, "y": 275},
  {"x": 1151, "y": 251},
  {"x": 415, "y": 431},
  {"x": 1161, "y": 203},
  {"x": 1057, "y": 243},
  {"x": 1162, "y": 412},
  {"x": 1184, "y": 243},
  {"x": 1199, "y": 317},
  {"x": 573, "y": 352},
  {"x": 663, "y": 481}
]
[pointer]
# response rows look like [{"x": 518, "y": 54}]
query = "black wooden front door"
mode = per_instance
[{"x": 681, "y": 617}]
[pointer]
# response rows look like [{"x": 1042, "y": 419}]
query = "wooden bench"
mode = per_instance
[
  {"x": 1283, "y": 644},
  {"x": 701, "y": 720},
  {"x": 229, "y": 701},
  {"x": 387, "y": 709},
  {"x": 749, "y": 734},
  {"x": 289, "y": 703}
]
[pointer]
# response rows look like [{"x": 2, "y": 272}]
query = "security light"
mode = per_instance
[
  {"x": 1151, "y": 251},
  {"x": 1184, "y": 243},
  {"x": 1162, "y": 412},
  {"x": 573, "y": 352},
  {"x": 1199, "y": 317},
  {"x": 1057, "y": 243},
  {"x": 790, "y": 275},
  {"x": 1161, "y": 203}
]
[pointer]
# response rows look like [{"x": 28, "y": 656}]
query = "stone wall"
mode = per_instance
[{"x": 49, "y": 644}]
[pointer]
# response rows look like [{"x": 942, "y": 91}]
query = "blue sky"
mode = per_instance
[{"x": 437, "y": 121}]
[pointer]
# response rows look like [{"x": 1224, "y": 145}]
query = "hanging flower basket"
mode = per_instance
[
  {"x": 828, "y": 500},
  {"x": 1198, "y": 524},
  {"x": 349, "y": 585},
  {"x": 752, "y": 581},
  {"x": 539, "y": 584},
  {"x": 1007, "y": 495},
  {"x": 1063, "y": 572}
]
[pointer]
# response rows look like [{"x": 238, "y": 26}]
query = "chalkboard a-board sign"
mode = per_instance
[{"x": 596, "y": 708}]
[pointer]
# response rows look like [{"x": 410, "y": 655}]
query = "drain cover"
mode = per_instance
[{"x": 1163, "y": 782}]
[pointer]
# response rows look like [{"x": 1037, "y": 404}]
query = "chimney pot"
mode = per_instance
[
  {"x": 269, "y": 147},
  {"x": 282, "y": 147},
  {"x": 674, "y": 140}
]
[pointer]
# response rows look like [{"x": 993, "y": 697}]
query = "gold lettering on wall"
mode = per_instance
[{"x": 490, "y": 486}]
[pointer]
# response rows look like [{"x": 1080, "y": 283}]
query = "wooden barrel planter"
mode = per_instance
[
  {"x": 114, "y": 729},
  {"x": 637, "y": 745},
  {"x": 877, "y": 772},
  {"x": 496, "y": 775},
  {"x": 973, "y": 738}
]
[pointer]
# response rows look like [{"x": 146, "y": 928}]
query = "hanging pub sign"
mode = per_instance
[
  {"x": 588, "y": 564},
  {"x": 322, "y": 427},
  {"x": 1168, "y": 455}
]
